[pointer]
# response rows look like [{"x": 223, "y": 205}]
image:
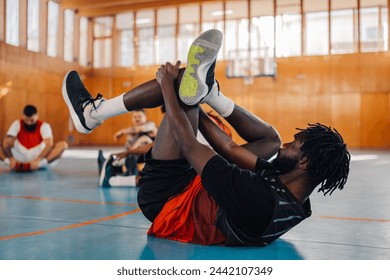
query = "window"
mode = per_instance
[
  {"x": 33, "y": 25},
  {"x": 145, "y": 24},
  {"x": 83, "y": 55},
  {"x": 385, "y": 28},
  {"x": 166, "y": 35},
  {"x": 262, "y": 45},
  {"x": 231, "y": 38},
  {"x": 102, "y": 53},
  {"x": 374, "y": 25},
  {"x": 12, "y": 24},
  {"x": 125, "y": 25},
  {"x": 328, "y": 26},
  {"x": 288, "y": 35},
  {"x": 342, "y": 31},
  {"x": 52, "y": 28},
  {"x": 317, "y": 32},
  {"x": 250, "y": 48},
  {"x": 237, "y": 37},
  {"x": 343, "y": 26},
  {"x": 68, "y": 35},
  {"x": 212, "y": 15},
  {"x": 262, "y": 31},
  {"x": 372, "y": 29},
  {"x": 188, "y": 28},
  {"x": 102, "y": 45},
  {"x": 288, "y": 28},
  {"x": 316, "y": 27},
  {"x": 103, "y": 27}
]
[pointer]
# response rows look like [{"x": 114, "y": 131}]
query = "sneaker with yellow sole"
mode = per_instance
[{"x": 198, "y": 78}]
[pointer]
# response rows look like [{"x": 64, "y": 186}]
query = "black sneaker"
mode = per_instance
[
  {"x": 101, "y": 159},
  {"x": 198, "y": 78},
  {"x": 80, "y": 102},
  {"x": 212, "y": 91},
  {"x": 106, "y": 173}
]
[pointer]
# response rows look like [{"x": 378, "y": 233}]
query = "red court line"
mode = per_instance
[
  {"x": 72, "y": 226},
  {"x": 356, "y": 219},
  {"x": 68, "y": 200}
]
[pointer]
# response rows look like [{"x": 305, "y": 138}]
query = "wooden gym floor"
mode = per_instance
[{"x": 61, "y": 214}]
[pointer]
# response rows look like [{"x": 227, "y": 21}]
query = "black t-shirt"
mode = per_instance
[
  {"x": 255, "y": 207},
  {"x": 241, "y": 193}
]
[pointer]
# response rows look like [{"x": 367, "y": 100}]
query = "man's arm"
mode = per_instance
[
  {"x": 35, "y": 163},
  {"x": 47, "y": 136},
  {"x": 8, "y": 143},
  {"x": 10, "y": 138},
  {"x": 135, "y": 151},
  {"x": 145, "y": 128},
  {"x": 197, "y": 154},
  {"x": 262, "y": 138},
  {"x": 224, "y": 145},
  {"x": 49, "y": 142},
  {"x": 183, "y": 133}
]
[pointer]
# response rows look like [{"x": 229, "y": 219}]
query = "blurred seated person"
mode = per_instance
[
  {"x": 29, "y": 143},
  {"x": 139, "y": 139},
  {"x": 111, "y": 175}
]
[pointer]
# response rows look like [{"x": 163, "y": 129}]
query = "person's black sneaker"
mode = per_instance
[
  {"x": 212, "y": 91},
  {"x": 80, "y": 102},
  {"x": 210, "y": 77},
  {"x": 101, "y": 159},
  {"x": 198, "y": 78},
  {"x": 106, "y": 173}
]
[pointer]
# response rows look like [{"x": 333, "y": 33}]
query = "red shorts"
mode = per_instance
[{"x": 189, "y": 217}]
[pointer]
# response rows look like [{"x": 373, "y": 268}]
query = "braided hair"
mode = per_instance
[{"x": 328, "y": 157}]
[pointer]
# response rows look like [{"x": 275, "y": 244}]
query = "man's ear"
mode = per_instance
[{"x": 303, "y": 163}]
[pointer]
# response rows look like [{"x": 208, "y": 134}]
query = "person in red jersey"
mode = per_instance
[{"x": 29, "y": 143}]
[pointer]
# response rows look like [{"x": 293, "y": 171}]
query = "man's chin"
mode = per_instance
[{"x": 284, "y": 165}]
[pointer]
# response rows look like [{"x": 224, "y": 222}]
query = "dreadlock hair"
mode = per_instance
[{"x": 328, "y": 157}]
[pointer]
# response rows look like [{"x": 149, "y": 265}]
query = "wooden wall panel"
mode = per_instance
[
  {"x": 36, "y": 79},
  {"x": 348, "y": 92},
  {"x": 31, "y": 86},
  {"x": 375, "y": 120},
  {"x": 346, "y": 117}
]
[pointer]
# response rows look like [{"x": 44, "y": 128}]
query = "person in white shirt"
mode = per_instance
[{"x": 29, "y": 143}]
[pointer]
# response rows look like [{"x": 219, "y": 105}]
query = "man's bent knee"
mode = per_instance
[{"x": 62, "y": 145}]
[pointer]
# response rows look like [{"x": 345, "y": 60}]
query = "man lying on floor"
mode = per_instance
[{"x": 229, "y": 194}]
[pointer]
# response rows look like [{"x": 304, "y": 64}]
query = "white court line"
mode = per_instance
[
  {"x": 363, "y": 157},
  {"x": 86, "y": 154}
]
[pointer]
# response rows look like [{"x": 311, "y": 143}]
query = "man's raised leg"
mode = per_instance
[
  {"x": 166, "y": 172},
  {"x": 87, "y": 112}
]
